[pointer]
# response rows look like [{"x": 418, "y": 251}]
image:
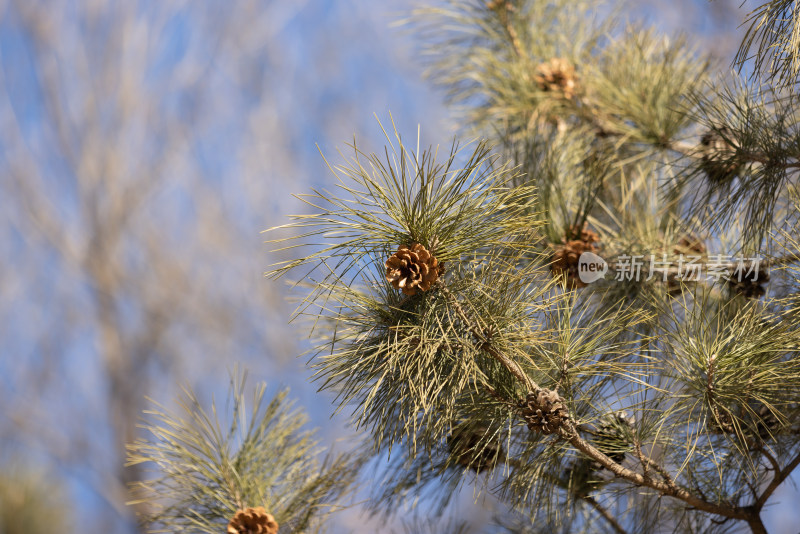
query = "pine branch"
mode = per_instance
[
  {"x": 501, "y": 8},
  {"x": 588, "y": 499},
  {"x": 509, "y": 364},
  {"x": 569, "y": 433},
  {"x": 774, "y": 31}
]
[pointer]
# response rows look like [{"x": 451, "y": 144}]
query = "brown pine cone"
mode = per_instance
[
  {"x": 566, "y": 256},
  {"x": 558, "y": 76},
  {"x": 544, "y": 411},
  {"x": 719, "y": 159},
  {"x": 689, "y": 244},
  {"x": 722, "y": 423},
  {"x": 748, "y": 286},
  {"x": 612, "y": 435},
  {"x": 412, "y": 268},
  {"x": 465, "y": 444},
  {"x": 252, "y": 521},
  {"x": 767, "y": 424},
  {"x": 583, "y": 233}
]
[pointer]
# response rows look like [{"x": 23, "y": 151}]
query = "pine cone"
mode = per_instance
[
  {"x": 723, "y": 424},
  {"x": 465, "y": 444},
  {"x": 767, "y": 423},
  {"x": 497, "y": 5},
  {"x": 611, "y": 436},
  {"x": 764, "y": 424},
  {"x": 253, "y": 521},
  {"x": 544, "y": 411},
  {"x": 566, "y": 256},
  {"x": 583, "y": 233},
  {"x": 719, "y": 157},
  {"x": 687, "y": 245},
  {"x": 558, "y": 76},
  {"x": 412, "y": 268},
  {"x": 748, "y": 287}
]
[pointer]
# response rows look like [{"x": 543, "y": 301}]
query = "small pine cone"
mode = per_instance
[
  {"x": 544, "y": 411},
  {"x": 583, "y": 233},
  {"x": 767, "y": 424},
  {"x": 465, "y": 444},
  {"x": 566, "y": 256},
  {"x": 253, "y": 521},
  {"x": 719, "y": 159},
  {"x": 722, "y": 424},
  {"x": 690, "y": 245},
  {"x": 412, "y": 268},
  {"x": 687, "y": 245},
  {"x": 558, "y": 76},
  {"x": 748, "y": 283},
  {"x": 611, "y": 436}
]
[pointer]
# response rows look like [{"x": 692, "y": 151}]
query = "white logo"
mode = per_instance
[{"x": 591, "y": 267}]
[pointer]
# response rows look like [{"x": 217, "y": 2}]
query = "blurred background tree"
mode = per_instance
[
  {"x": 31, "y": 501},
  {"x": 141, "y": 145},
  {"x": 131, "y": 254}
]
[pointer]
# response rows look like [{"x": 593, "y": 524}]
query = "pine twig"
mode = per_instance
[
  {"x": 509, "y": 364},
  {"x": 732, "y": 511},
  {"x": 591, "y": 501},
  {"x": 777, "y": 481},
  {"x": 569, "y": 432}
]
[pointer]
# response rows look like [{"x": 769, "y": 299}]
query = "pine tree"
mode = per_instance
[{"x": 447, "y": 298}]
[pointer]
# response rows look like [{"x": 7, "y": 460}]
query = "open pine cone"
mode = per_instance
[
  {"x": 252, "y": 521},
  {"x": 412, "y": 268},
  {"x": 719, "y": 159},
  {"x": 566, "y": 256},
  {"x": 544, "y": 411},
  {"x": 558, "y": 76},
  {"x": 465, "y": 444}
]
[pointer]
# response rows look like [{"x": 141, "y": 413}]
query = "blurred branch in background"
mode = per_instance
[
  {"x": 31, "y": 503},
  {"x": 712, "y": 25},
  {"x": 130, "y": 213}
]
